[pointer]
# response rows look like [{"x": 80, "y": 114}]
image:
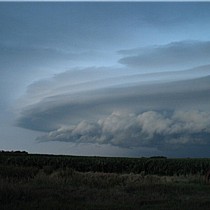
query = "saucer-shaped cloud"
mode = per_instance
[
  {"x": 97, "y": 106},
  {"x": 125, "y": 106}
]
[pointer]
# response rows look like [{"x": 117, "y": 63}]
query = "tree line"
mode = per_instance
[{"x": 154, "y": 165}]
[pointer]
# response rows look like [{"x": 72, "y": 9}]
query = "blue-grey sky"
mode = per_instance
[{"x": 105, "y": 78}]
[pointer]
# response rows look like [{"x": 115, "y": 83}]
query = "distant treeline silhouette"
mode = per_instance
[
  {"x": 155, "y": 165},
  {"x": 13, "y": 152}
]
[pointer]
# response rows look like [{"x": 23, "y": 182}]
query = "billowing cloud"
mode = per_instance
[
  {"x": 150, "y": 128},
  {"x": 122, "y": 107},
  {"x": 183, "y": 54},
  {"x": 150, "y": 114},
  {"x": 74, "y": 85}
]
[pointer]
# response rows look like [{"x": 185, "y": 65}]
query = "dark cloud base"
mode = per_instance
[{"x": 165, "y": 131}]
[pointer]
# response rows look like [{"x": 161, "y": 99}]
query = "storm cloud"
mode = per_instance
[
  {"x": 115, "y": 110},
  {"x": 146, "y": 129},
  {"x": 183, "y": 54},
  {"x": 105, "y": 78},
  {"x": 127, "y": 107}
]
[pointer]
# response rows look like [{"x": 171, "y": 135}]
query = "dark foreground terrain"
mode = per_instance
[{"x": 57, "y": 182}]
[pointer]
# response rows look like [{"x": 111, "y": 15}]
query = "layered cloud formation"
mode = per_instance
[
  {"x": 171, "y": 56},
  {"x": 118, "y": 78},
  {"x": 125, "y": 106}
]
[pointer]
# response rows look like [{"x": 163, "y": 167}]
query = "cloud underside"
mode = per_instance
[{"x": 150, "y": 129}]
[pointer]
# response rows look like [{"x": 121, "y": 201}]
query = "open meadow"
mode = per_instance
[{"x": 68, "y": 182}]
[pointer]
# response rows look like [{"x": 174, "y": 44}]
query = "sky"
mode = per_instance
[{"x": 105, "y": 78}]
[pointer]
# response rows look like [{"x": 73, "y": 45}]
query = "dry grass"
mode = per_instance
[{"x": 69, "y": 189}]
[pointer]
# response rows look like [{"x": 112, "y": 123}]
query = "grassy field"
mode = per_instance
[{"x": 34, "y": 187}]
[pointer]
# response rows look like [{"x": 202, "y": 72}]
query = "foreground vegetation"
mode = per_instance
[{"x": 39, "y": 184}]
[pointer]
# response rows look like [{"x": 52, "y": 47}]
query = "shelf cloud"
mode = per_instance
[
  {"x": 70, "y": 107},
  {"x": 147, "y": 129}
]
